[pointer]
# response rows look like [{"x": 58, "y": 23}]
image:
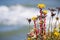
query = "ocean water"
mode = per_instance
[
  {"x": 13, "y": 33},
  {"x": 13, "y": 25}
]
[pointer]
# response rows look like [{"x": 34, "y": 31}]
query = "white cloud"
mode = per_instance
[{"x": 17, "y": 14}]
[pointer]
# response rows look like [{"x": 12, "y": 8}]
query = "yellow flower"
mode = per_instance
[
  {"x": 41, "y": 5},
  {"x": 56, "y": 34},
  {"x": 44, "y": 12},
  {"x": 28, "y": 38},
  {"x": 34, "y": 18}
]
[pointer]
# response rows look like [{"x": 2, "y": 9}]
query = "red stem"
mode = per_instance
[
  {"x": 35, "y": 27},
  {"x": 40, "y": 19},
  {"x": 34, "y": 24},
  {"x": 44, "y": 25}
]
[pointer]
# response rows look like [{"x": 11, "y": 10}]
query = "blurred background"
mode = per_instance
[{"x": 13, "y": 14}]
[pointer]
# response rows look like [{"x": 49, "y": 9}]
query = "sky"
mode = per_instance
[
  {"x": 49, "y": 3},
  {"x": 14, "y": 12}
]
